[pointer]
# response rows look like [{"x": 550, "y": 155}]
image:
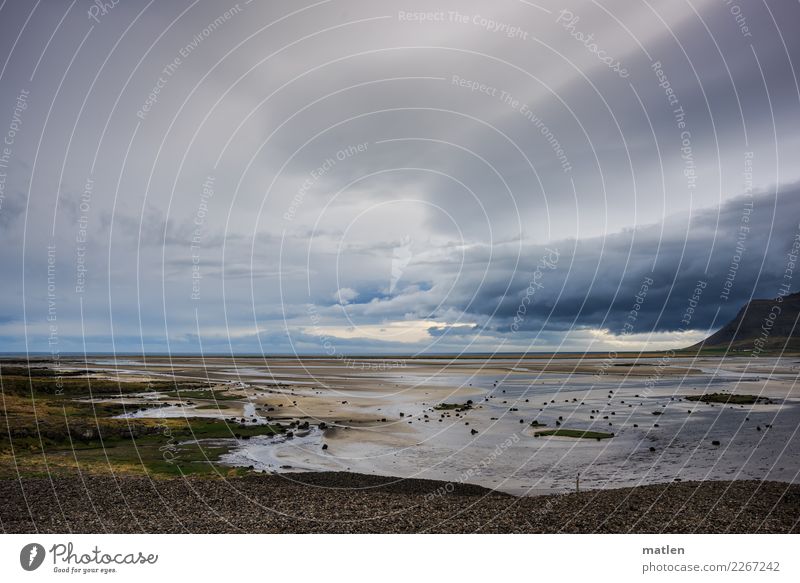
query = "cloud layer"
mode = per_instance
[{"x": 363, "y": 176}]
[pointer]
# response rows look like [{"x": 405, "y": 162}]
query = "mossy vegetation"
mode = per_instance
[
  {"x": 453, "y": 406},
  {"x": 577, "y": 433},
  {"x": 728, "y": 399}
]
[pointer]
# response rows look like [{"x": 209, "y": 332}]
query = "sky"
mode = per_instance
[{"x": 341, "y": 177}]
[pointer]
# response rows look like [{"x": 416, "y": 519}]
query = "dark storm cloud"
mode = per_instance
[
  {"x": 597, "y": 281},
  {"x": 654, "y": 271}
]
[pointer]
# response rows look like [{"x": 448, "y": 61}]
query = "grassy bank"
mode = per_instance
[{"x": 50, "y": 426}]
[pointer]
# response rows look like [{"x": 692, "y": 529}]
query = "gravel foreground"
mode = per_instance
[{"x": 352, "y": 503}]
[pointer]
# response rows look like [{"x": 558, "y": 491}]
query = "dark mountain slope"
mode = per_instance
[{"x": 761, "y": 326}]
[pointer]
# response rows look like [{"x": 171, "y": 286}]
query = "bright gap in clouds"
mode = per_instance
[{"x": 411, "y": 332}]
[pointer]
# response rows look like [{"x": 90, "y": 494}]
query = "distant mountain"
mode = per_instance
[{"x": 760, "y": 326}]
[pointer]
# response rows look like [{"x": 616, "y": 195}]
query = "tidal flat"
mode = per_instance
[{"x": 517, "y": 425}]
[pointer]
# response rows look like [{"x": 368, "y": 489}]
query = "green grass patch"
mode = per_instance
[
  {"x": 453, "y": 406},
  {"x": 577, "y": 433},
  {"x": 218, "y": 429},
  {"x": 157, "y": 455},
  {"x": 728, "y": 399}
]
